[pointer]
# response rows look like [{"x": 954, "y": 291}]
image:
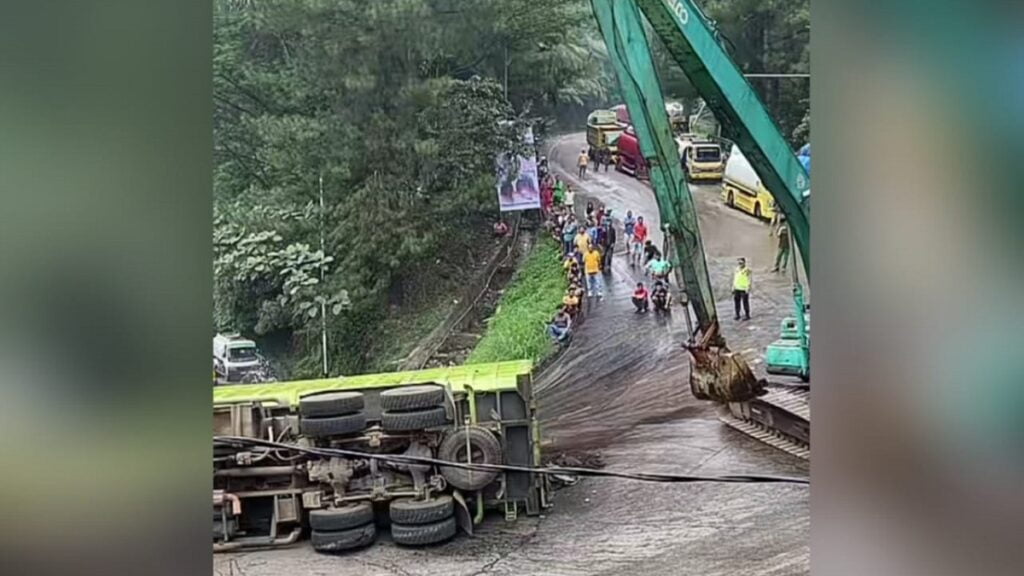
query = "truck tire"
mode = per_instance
[
  {"x": 414, "y": 420},
  {"x": 412, "y": 398},
  {"x": 331, "y": 404},
  {"x": 423, "y": 534},
  {"x": 485, "y": 450},
  {"x": 757, "y": 211},
  {"x": 342, "y": 540},
  {"x": 408, "y": 511},
  {"x": 342, "y": 518},
  {"x": 730, "y": 201},
  {"x": 332, "y": 425}
]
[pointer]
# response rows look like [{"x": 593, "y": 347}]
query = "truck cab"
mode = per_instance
[
  {"x": 235, "y": 359},
  {"x": 702, "y": 160}
]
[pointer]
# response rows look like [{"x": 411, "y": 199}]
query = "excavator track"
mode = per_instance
[{"x": 781, "y": 418}]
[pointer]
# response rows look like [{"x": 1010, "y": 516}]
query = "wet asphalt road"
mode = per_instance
[{"x": 620, "y": 389}]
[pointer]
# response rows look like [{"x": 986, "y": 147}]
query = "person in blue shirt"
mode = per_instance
[
  {"x": 610, "y": 237},
  {"x": 568, "y": 234},
  {"x": 628, "y": 223}
]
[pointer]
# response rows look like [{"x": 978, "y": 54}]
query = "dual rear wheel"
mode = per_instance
[
  {"x": 422, "y": 522},
  {"x": 404, "y": 409},
  {"x": 344, "y": 528},
  {"x": 413, "y": 523}
]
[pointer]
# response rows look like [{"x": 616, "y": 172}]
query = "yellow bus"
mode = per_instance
[{"x": 743, "y": 190}]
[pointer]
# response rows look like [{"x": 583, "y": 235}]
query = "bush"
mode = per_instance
[{"x": 518, "y": 329}]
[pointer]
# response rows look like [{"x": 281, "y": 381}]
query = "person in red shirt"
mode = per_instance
[
  {"x": 640, "y": 296},
  {"x": 639, "y": 238},
  {"x": 547, "y": 197}
]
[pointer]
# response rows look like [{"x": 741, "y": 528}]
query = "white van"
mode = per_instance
[{"x": 235, "y": 358}]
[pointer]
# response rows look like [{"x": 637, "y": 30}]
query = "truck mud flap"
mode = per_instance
[{"x": 463, "y": 518}]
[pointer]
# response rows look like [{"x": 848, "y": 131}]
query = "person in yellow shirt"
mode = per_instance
[
  {"x": 582, "y": 162},
  {"x": 582, "y": 240},
  {"x": 571, "y": 302},
  {"x": 592, "y": 267},
  {"x": 741, "y": 288},
  {"x": 572, "y": 269}
]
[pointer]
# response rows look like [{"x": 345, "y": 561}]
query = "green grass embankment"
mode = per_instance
[{"x": 518, "y": 329}]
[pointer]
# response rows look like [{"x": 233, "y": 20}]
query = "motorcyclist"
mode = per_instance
[
  {"x": 610, "y": 238},
  {"x": 650, "y": 252},
  {"x": 660, "y": 297},
  {"x": 659, "y": 268}
]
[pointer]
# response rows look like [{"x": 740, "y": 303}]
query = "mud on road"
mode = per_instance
[{"x": 620, "y": 389}]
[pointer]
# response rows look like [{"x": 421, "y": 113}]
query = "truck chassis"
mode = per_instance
[{"x": 343, "y": 459}]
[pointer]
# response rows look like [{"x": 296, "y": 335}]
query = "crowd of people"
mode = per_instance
[
  {"x": 588, "y": 242},
  {"x": 587, "y": 249},
  {"x": 588, "y": 245}
]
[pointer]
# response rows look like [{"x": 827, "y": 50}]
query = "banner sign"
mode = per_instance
[{"x": 518, "y": 184}]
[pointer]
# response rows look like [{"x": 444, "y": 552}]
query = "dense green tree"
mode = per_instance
[
  {"x": 394, "y": 109},
  {"x": 771, "y": 36}
]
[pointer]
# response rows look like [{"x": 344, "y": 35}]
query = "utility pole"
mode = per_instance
[
  {"x": 323, "y": 300},
  {"x": 505, "y": 82}
]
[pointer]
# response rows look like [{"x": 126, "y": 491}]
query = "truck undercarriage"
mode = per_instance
[{"x": 343, "y": 459}]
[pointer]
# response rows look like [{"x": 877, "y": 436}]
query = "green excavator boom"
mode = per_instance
[
  {"x": 692, "y": 41},
  {"x": 695, "y": 45}
]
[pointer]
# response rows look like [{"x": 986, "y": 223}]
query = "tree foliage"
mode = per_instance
[
  {"x": 395, "y": 109},
  {"x": 771, "y": 36}
]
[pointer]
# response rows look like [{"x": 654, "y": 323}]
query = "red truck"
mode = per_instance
[{"x": 630, "y": 160}]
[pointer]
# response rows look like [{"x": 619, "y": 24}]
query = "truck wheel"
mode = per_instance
[
  {"x": 729, "y": 201},
  {"x": 331, "y": 404},
  {"x": 757, "y": 211},
  {"x": 485, "y": 449},
  {"x": 413, "y": 420},
  {"x": 423, "y": 534},
  {"x": 332, "y": 425},
  {"x": 342, "y": 540},
  {"x": 412, "y": 397},
  {"x": 409, "y": 511},
  {"x": 341, "y": 518}
]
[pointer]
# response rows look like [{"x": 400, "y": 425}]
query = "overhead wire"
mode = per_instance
[{"x": 244, "y": 442}]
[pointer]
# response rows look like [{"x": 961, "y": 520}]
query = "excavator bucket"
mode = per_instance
[{"x": 722, "y": 376}]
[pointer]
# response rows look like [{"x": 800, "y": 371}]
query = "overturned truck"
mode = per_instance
[{"x": 345, "y": 459}]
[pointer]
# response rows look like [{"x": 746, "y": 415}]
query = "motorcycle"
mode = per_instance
[{"x": 660, "y": 302}]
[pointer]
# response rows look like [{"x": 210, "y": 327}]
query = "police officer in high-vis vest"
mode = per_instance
[{"x": 741, "y": 289}]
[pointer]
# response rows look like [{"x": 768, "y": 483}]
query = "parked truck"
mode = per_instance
[
  {"x": 676, "y": 115},
  {"x": 603, "y": 131},
  {"x": 701, "y": 159},
  {"x": 395, "y": 430},
  {"x": 237, "y": 359},
  {"x": 630, "y": 160}
]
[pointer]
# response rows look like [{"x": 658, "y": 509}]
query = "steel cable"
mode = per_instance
[{"x": 243, "y": 442}]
